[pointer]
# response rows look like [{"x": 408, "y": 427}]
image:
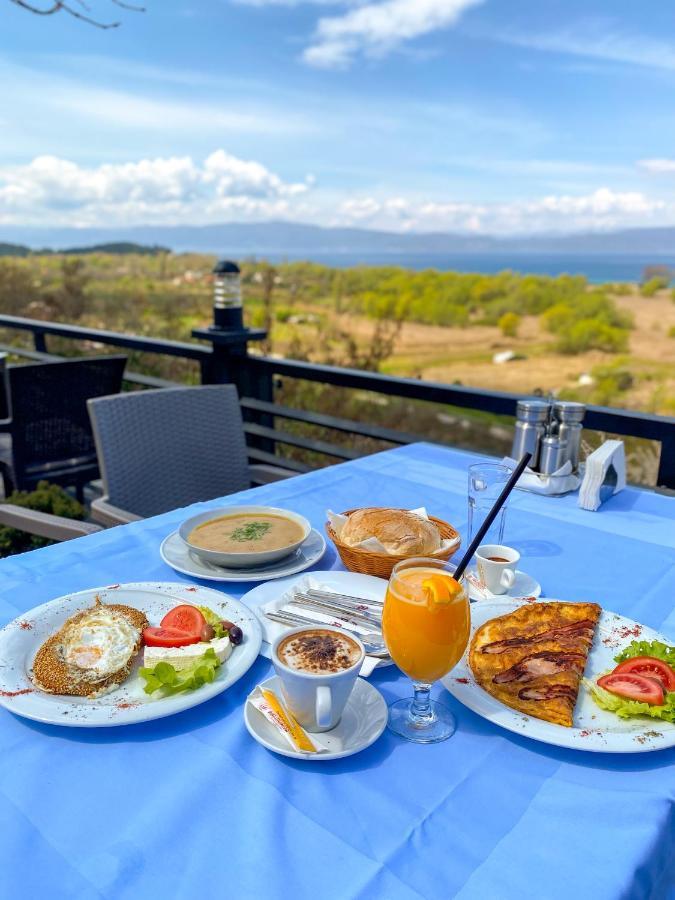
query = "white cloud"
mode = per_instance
[
  {"x": 596, "y": 40},
  {"x": 175, "y": 189},
  {"x": 377, "y": 28},
  {"x": 657, "y": 166},
  {"x": 600, "y": 209},
  {"x": 225, "y": 188}
]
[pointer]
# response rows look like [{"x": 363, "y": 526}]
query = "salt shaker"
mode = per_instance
[
  {"x": 553, "y": 454},
  {"x": 531, "y": 418},
  {"x": 569, "y": 416}
]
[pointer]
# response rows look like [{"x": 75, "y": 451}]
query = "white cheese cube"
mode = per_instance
[{"x": 183, "y": 657}]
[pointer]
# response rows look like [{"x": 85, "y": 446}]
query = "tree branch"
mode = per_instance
[{"x": 67, "y": 7}]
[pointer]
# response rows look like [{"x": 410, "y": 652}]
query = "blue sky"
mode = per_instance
[{"x": 495, "y": 116}]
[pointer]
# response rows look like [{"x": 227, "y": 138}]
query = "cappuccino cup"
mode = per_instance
[
  {"x": 496, "y": 566},
  {"x": 317, "y": 667}
]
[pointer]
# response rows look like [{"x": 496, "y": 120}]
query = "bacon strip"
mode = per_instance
[
  {"x": 548, "y": 692},
  {"x": 548, "y": 662},
  {"x": 582, "y": 630}
]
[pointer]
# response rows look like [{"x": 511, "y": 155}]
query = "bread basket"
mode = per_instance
[{"x": 369, "y": 562}]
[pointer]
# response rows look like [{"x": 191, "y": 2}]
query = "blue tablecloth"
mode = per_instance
[{"x": 191, "y": 806}]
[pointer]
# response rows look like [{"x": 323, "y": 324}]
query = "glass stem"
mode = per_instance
[{"x": 421, "y": 706}]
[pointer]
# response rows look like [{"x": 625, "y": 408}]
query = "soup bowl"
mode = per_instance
[{"x": 243, "y": 559}]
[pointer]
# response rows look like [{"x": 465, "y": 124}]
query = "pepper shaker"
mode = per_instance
[{"x": 531, "y": 419}]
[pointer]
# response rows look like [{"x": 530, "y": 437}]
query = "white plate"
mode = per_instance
[
  {"x": 21, "y": 639},
  {"x": 523, "y": 586},
  {"x": 594, "y": 728},
  {"x": 176, "y": 553},
  {"x": 270, "y": 596},
  {"x": 363, "y": 721}
]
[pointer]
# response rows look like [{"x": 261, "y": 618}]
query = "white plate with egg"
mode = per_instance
[{"x": 127, "y": 703}]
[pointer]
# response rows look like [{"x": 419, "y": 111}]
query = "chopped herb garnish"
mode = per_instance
[{"x": 251, "y": 532}]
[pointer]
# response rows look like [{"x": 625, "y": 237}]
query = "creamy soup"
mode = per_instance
[{"x": 246, "y": 533}]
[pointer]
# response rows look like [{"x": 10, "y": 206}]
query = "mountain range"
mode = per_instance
[{"x": 279, "y": 238}]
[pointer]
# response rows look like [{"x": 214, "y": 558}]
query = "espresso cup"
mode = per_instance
[
  {"x": 315, "y": 685},
  {"x": 496, "y": 566}
]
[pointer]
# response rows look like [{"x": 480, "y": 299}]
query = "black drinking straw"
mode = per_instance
[{"x": 492, "y": 515}]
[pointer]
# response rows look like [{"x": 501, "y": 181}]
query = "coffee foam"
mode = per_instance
[{"x": 319, "y": 652}]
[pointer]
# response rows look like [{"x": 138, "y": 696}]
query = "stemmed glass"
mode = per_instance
[{"x": 425, "y": 624}]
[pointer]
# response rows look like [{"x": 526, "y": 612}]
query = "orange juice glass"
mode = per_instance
[{"x": 425, "y": 624}]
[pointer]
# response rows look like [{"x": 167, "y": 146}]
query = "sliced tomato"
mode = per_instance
[
  {"x": 168, "y": 637},
  {"x": 185, "y": 618},
  {"x": 633, "y": 687},
  {"x": 650, "y": 666}
]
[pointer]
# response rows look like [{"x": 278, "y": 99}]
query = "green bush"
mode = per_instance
[
  {"x": 671, "y": 331},
  {"x": 657, "y": 283},
  {"x": 283, "y": 313},
  {"x": 47, "y": 498},
  {"x": 508, "y": 324},
  {"x": 592, "y": 334}
]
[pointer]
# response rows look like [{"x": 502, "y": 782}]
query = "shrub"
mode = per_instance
[
  {"x": 508, "y": 324},
  {"x": 47, "y": 498},
  {"x": 655, "y": 284},
  {"x": 283, "y": 313},
  {"x": 592, "y": 334},
  {"x": 671, "y": 331}
]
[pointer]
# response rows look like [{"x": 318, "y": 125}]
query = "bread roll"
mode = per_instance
[{"x": 401, "y": 533}]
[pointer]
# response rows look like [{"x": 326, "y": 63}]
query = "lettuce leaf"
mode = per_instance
[
  {"x": 165, "y": 680},
  {"x": 656, "y": 649},
  {"x": 625, "y": 708},
  {"x": 213, "y": 620}
]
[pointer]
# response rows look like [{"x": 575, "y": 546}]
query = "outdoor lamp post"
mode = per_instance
[
  {"x": 227, "y": 304},
  {"x": 228, "y": 336}
]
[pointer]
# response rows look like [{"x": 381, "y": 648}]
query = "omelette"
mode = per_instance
[
  {"x": 92, "y": 652},
  {"x": 533, "y": 659}
]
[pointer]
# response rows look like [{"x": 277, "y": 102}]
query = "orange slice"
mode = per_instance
[{"x": 440, "y": 589}]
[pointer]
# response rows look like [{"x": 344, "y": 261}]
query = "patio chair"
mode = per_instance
[
  {"x": 58, "y": 528},
  {"x": 163, "y": 449},
  {"x": 48, "y": 433}
]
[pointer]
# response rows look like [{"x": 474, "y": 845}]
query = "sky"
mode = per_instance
[{"x": 482, "y": 116}]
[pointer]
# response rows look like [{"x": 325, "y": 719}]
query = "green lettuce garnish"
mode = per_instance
[
  {"x": 656, "y": 649},
  {"x": 213, "y": 620},
  {"x": 628, "y": 708},
  {"x": 166, "y": 680}
]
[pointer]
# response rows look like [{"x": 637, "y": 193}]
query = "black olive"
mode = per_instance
[
  {"x": 227, "y": 625},
  {"x": 208, "y": 632},
  {"x": 236, "y": 634}
]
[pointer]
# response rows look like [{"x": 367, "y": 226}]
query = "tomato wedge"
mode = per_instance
[
  {"x": 633, "y": 687},
  {"x": 185, "y": 618},
  {"x": 650, "y": 666},
  {"x": 168, "y": 637}
]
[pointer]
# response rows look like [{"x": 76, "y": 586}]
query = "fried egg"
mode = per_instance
[{"x": 92, "y": 652}]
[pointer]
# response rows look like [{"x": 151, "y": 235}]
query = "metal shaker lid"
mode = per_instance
[
  {"x": 569, "y": 411},
  {"x": 532, "y": 410}
]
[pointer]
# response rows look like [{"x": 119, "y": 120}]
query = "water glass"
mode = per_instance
[{"x": 486, "y": 482}]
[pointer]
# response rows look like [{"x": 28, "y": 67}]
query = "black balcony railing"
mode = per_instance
[{"x": 227, "y": 359}]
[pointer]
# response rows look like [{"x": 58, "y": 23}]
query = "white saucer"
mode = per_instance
[
  {"x": 176, "y": 553},
  {"x": 363, "y": 721},
  {"x": 523, "y": 586}
]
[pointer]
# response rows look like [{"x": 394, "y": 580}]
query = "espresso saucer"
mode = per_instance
[
  {"x": 363, "y": 721},
  {"x": 523, "y": 586}
]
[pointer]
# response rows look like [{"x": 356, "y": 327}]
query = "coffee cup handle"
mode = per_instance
[
  {"x": 508, "y": 578},
  {"x": 323, "y": 706}
]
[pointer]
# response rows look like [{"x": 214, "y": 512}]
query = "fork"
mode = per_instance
[
  {"x": 336, "y": 597},
  {"x": 371, "y": 640}
]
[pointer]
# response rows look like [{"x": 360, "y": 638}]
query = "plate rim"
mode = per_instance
[
  {"x": 567, "y": 738},
  {"x": 249, "y": 576},
  {"x": 144, "y": 712},
  {"x": 313, "y": 757}
]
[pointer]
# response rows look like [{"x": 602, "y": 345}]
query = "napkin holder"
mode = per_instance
[{"x": 604, "y": 475}]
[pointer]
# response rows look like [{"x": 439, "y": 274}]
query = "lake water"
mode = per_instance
[{"x": 597, "y": 268}]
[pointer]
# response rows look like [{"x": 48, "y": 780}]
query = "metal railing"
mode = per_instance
[{"x": 227, "y": 360}]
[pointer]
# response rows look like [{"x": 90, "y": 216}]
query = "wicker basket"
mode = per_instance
[{"x": 369, "y": 562}]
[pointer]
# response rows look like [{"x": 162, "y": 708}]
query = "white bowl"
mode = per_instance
[{"x": 246, "y": 559}]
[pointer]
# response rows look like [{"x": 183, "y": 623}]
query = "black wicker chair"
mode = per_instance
[{"x": 48, "y": 433}]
